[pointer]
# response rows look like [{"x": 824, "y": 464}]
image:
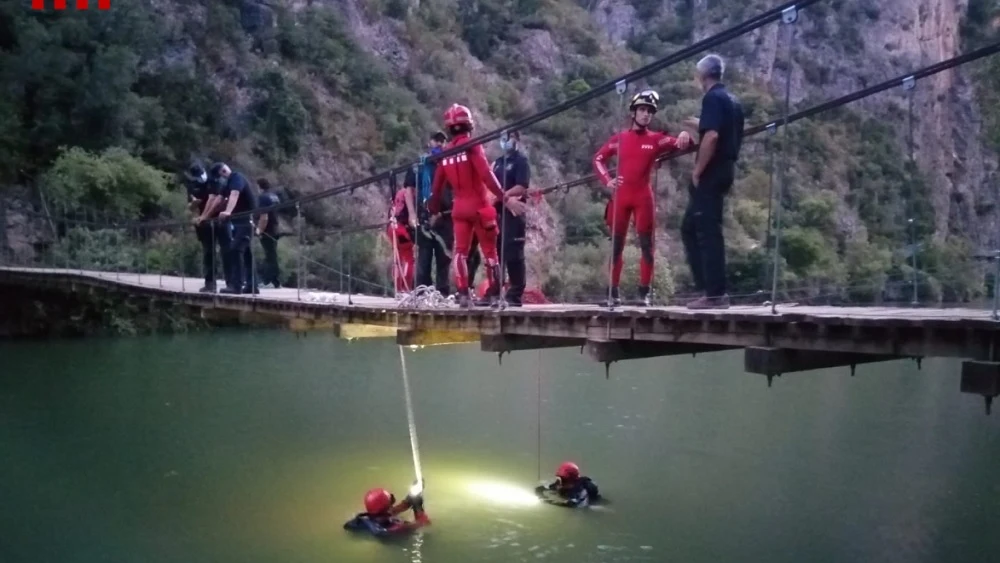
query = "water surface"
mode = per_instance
[{"x": 256, "y": 447}]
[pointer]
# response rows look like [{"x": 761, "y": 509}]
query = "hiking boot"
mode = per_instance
[{"x": 721, "y": 302}]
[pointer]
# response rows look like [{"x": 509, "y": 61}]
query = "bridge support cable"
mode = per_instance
[
  {"x": 769, "y": 148},
  {"x": 300, "y": 273},
  {"x": 788, "y": 18},
  {"x": 909, "y": 86},
  {"x": 621, "y": 88}
]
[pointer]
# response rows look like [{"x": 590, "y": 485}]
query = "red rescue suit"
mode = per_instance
[
  {"x": 400, "y": 236},
  {"x": 637, "y": 152},
  {"x": 471, "y": 178}
]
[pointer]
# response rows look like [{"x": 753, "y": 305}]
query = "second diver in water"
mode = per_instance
[{"x": 569, "y": 488}]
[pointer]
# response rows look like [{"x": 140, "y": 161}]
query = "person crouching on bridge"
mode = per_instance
[
  {"x": 380, "y": 516},
  {"x": 631, "y": 192},
  {"x": 471, "y": 179},
  {"x": 569, "y": 488},
  {"x": 401, "y": 233}
]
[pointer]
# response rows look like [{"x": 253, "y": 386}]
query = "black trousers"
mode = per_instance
[
  {"x": 206, "y": 237},
  {"x": 270, "y": 273},
  {"x": 701, "y": 229},
  {"x": 512, "y": 258},
  {"x": 432, "y": 256},
  {"x": 241, "y": 257},
  {"x": 472, "y": 262},
  {"x": 224, "y": 240}
]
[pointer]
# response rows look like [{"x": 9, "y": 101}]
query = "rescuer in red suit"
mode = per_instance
[
  {"x": 472, "y": 180},
  {"x": 403, "y": 233},
  {"x": 631, "y": 192}
]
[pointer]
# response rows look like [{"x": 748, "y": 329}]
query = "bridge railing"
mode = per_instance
[{"x": 831, "y": 205}]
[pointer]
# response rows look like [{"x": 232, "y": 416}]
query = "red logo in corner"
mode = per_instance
[{"x": 61, "y": 4}]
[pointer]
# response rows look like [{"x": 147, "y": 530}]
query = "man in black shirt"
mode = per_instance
[
  {"x": 434, "y": 234},
  {"x": 267, "y": 230},
  {"x": 201, "y": 195},
  {"x": 241, "y": 202},
  {"x": 514, "y": 173},
  {"x": 720, "y": 128}
]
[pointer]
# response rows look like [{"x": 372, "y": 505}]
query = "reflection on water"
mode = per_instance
[{"x": 248, "y": 447}]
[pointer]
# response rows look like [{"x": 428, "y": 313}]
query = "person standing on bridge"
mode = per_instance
[
  {"x": 267, "y": 230},
  {"x": 631, "y": 192},
  {"x": 514, "y": 168},
  {"x": 720, "y": 132},
  {"x": 469, "y": 175},
  {"x": 435, "y": 235},
  {"x": 241, "y": 200},
  {"x": 401, "y": 233},
  {"x": 201, "y": 200}
]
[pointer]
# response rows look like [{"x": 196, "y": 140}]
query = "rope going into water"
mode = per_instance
[{"x": 411, "y": 423}]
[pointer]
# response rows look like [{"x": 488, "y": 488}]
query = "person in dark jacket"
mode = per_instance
[
  {"x": 267, "y": 230},
  {"x": 720, "y": 130},
  {"x": 201, "y": 200},
  {"x": 569, "y": 488},
  {"x": 241, "y": 202},
  {"x": 514, "y": 172},
  {"x": 380, "y": 516},
  {"x": 434, "y": 233}
]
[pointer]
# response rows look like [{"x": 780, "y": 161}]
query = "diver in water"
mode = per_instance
[
  {"x": 569, "y": 488},
  {"x": 379, "y": 518}
]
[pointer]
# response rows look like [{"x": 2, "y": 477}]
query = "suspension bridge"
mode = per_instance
[
  {"x": 781, "y": 329},
  {"x": 776, "y": 339}
]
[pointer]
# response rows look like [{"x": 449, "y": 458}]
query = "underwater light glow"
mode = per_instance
[{"x": 503, "y": 493}]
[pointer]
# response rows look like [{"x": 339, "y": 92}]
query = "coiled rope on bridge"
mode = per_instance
[{"x": 425, "y": 297}]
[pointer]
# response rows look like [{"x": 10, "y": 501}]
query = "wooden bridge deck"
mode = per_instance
[{"x": 845, "y": 335}]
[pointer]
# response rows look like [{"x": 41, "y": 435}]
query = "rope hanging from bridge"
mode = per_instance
[
  {"x": 410, "y": 420},
  {"x": 407, "y": 395},
  {"x": 538, "y": 411}
]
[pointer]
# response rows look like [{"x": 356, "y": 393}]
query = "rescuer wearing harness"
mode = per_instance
[
  {"x": 569, "y": 488},
  {"x": 404, "y": 233},
  {"x": 631, "y": 191},
  {"x": 472, "y": 181},
  {"x": 380, "y": 515},
  {"x": 434, "y": 233}
]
